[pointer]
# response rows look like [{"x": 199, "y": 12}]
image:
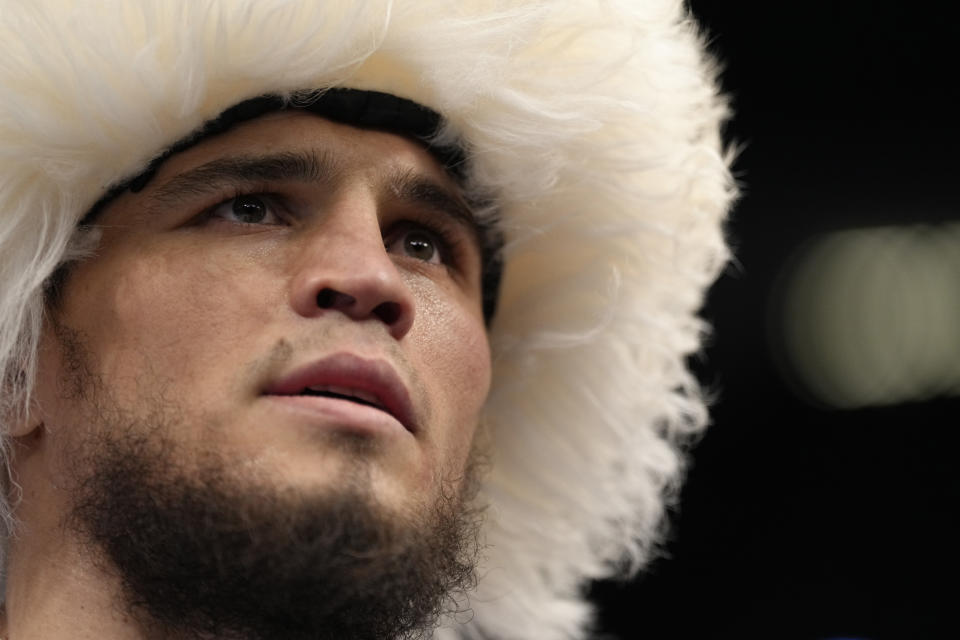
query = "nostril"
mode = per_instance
[
  {"x": 330, "y": 298},
  {"x": 326, "y": 298},
  {"x": 388, "y": 312}
]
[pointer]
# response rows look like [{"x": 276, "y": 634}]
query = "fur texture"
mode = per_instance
[{"x": 595, "y": 125}]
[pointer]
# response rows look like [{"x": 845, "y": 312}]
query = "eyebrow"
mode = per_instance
[
  {"x": 307, "y": 166},
  {"x": 415, "y": 189}
]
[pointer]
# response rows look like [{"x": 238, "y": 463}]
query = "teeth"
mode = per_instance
[{"x": 346, "y": 391}]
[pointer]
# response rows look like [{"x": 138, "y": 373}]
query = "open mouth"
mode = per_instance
[
  {"x": 343, "y": 393},
  {"x": 344, "y": 376}
]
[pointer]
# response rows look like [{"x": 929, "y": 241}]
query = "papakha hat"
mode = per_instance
[{"x": 592, "y": 125}]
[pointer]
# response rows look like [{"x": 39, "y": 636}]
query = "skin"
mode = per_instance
[{"x": 185, "y": 303}]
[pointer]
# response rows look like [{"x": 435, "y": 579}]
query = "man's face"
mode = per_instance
[
  {"x": 270, "y": 374},
  {"x": 306, "y": 294}
]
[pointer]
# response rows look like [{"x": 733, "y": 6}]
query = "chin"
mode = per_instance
[{"x": 342, "y": 462}]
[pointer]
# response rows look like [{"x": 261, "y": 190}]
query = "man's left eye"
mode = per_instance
[
  {"x": 249, "y": 209},
  {"x": 417, "y": 243}
]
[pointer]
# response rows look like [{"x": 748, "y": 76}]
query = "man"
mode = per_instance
[{"x": 345, "y": 320}]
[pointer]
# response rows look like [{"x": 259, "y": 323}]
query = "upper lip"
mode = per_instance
[{"x": 369, "y": 377}]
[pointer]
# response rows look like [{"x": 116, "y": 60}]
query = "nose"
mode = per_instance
[{"x": 343, "y": 267}]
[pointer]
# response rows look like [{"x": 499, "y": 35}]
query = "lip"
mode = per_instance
[{"x": 372, "y": 376}]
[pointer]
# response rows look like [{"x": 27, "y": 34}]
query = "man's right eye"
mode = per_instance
[{"x": 246, "y": 209}]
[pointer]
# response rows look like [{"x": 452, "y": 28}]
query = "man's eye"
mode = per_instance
[
  {"x": 417, "y": 243},
  {"x": 249, "y": 209}
]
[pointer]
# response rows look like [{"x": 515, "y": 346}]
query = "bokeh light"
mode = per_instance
[{"x": 868, "y": 317}]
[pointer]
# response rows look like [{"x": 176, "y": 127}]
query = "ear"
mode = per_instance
[
  {"x": 25, "y": 428},
  {"x": 29, "y": 420},
  {"x": 20, "y": 421},
  {"x": 25, "y": 423}
]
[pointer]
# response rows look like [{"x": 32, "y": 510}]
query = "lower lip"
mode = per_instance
[{"x": 335, "y": 413}]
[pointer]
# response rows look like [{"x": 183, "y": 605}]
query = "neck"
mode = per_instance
[
  {"x": 54, "y": 588},
  {"x": 63, "y": 598}
]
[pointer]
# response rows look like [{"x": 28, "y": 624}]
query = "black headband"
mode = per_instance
[{"x": 366, "y": 109}]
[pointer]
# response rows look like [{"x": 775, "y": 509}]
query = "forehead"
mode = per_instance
[{"x": 358, "y": 153}]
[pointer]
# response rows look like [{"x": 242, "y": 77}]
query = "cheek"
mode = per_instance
[
  {"x": 452, "y": 345},
  {"x": 166, "y": 314}
]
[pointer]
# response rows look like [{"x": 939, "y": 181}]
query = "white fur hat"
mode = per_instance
[{"x": 595, "y": 125}]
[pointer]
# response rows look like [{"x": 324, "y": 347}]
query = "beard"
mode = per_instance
[{"x": 204, "y": 551}]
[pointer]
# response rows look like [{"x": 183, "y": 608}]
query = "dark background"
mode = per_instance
[{"x": 799, "y": 521}]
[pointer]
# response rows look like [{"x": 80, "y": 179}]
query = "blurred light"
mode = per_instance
[{"x": 872, "y": 316}]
